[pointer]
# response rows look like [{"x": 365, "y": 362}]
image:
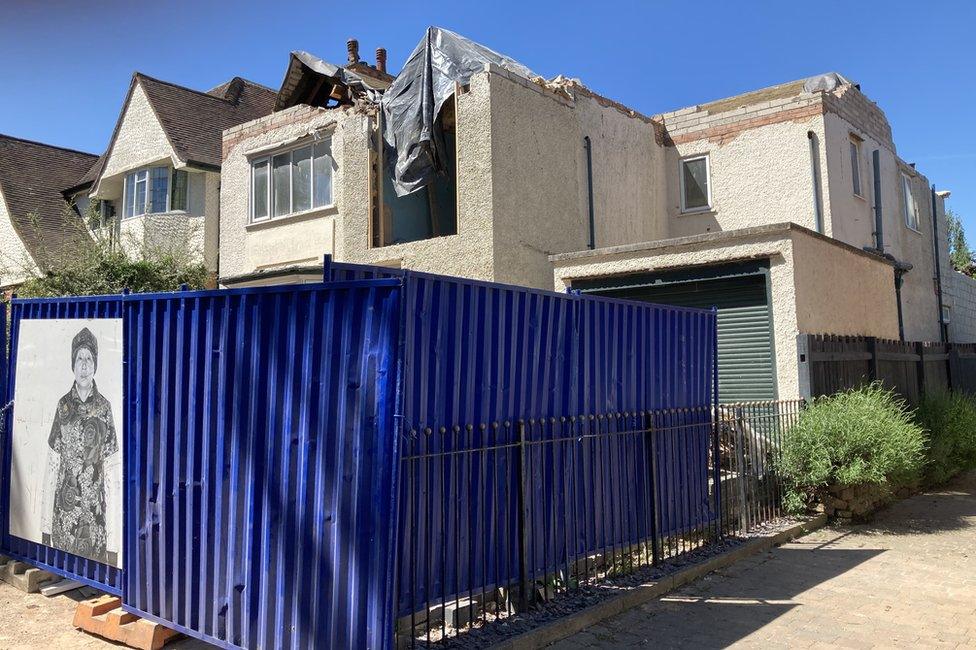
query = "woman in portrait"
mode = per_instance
[{"x": 83, "y": 436}]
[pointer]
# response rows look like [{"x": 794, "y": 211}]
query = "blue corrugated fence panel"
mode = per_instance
[
  {"x": 260, "y": 483},
  {"x": 478, "y": 358}
]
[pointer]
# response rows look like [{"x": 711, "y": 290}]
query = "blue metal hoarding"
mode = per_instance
[{"x": 264, "y": 429}]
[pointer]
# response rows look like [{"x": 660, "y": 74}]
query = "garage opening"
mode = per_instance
[{"x": 746, "y": 355}]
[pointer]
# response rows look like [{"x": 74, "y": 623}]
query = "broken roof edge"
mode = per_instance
[
  {"x": 825, "y": 82},
  {"x": 299, "y": 61}
]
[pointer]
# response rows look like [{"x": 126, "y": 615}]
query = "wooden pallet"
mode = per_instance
[{"x": 104, "y": 617}]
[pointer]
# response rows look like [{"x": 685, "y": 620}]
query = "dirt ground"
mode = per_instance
[{"x": 31, "y": 621}]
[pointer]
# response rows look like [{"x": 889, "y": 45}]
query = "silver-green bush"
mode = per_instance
[
  {"x": 865, "y": 435},
  {"x": 950, "y": 419}
]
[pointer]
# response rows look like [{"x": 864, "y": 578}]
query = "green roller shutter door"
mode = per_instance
[{"x": 745, "y": 347}]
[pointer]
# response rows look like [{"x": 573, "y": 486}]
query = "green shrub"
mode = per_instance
[
  {"x": 950, "y": 419},
  {"x": 862, "y": 436}
]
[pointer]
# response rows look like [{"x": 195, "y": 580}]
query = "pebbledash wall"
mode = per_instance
[{"x": 15, "y": 262}]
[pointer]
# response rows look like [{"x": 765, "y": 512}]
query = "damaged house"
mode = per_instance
[{"x": 788, "y": 207}]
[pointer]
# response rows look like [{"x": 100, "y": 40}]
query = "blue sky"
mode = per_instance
[{"x": 65, "y": 65}]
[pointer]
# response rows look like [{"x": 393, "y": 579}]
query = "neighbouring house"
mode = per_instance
[
  {"x": 787, "y": 208},
  {"x": 158, "y": 183},
  {"x": 37, "y": 226}
]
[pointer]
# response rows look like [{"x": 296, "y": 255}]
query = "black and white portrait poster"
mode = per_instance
[{"x": 66, "y": 465}]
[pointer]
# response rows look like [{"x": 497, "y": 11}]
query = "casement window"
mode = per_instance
[
  {"x": 911, "y": 208},
  {"x": 855, "y": 146},
  {"x": 696, "y": 191},
  {"x": 291, "y": 182},
  {"x": 153, "y": 190}
]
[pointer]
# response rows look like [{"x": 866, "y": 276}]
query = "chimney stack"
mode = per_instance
[
  {"x": 381, "y": 59},
  {"x": 352, "y": 47}
]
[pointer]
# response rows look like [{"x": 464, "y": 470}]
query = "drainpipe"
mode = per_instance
[
  {"x": 878, "y": 223},
  {"x": 943, "y": 333},
  {"x": 899, "y": 274},
  {"x": 589, "y": 190},
  {"x": 814, "y": 165}
]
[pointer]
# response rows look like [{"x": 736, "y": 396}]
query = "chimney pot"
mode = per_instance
[
  {"x": 352, "y": 47},
  {"x": 381, "y": 59}
]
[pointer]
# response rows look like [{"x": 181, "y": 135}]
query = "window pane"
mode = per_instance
[
  {"x": 178, "y": 199},
  {"x": 130, "y": 195},
  {"x": 158, "y": 189},
  {"x": 260, "y": 190},
  {"x": 696, "y": 183},
  {"x": 301, "y": 179},
  {"x": 139, "y": 206},
  {"x": 855, "y": 169},
  {"x": 911, "y": 218},
  {"x": 281, "y": 166},
  {"x": 323, "y": 174}
]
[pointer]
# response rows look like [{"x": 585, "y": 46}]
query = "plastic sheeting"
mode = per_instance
[
  {"x": 825, "y": 82},
  {"x": 413, "y": 102}
]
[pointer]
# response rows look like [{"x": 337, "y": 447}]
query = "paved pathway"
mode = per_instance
[{"x": 908, "y": 579}]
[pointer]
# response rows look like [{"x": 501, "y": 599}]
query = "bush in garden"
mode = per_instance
[
  {"x": 862, "y": 436},
  {"x": 950, "y": 419}
]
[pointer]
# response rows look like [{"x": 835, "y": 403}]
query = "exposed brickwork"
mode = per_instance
[
  {"x": 300, "y": 113},
  {"x": 689, "y": 125},
  {"x": 850, "y": 103},
  {"x": 702, "y": 122}
]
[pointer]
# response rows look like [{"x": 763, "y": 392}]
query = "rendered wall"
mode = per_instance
[
  {"x": 839, "y": 291},
  {"x": 140, "y": 140},
  {"x": 758, "y": 176},
  {"x": 539, "y": 177},
  {"x": 852, "y": 220},
  {"x": 15, "y": 261},
  {"x": 296, "y": 240}
]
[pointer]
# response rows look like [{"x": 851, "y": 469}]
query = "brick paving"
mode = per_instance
[{"x": 905, "y": 580}]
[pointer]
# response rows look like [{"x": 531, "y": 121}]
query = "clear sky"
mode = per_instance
[{"x": 65, "y": 65}]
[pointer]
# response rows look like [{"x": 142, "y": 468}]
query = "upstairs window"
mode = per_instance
[
  {"x": 911, "y": 208},
  {"x": 147, "y": 191},
  {"x": 696, "y": 192},
  {"x": 292, "y": 182},
  {"x": 855, "y": 146}
]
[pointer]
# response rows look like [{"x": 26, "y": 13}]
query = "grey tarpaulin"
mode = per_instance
[
  {"x": 414, "y": 100},
  {"x": 825, "y": 82}
]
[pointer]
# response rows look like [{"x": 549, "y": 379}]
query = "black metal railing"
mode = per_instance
[{"x": 500, "y": 517}]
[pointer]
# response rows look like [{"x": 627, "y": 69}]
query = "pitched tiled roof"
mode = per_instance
[
  {"x": 32, "y": 176},
  {"x": 193, "y": 121}
]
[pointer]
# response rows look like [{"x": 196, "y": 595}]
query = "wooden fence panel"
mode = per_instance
[
  {"x": 838, "y": 363},
  {"x": 962, "y": 367}
]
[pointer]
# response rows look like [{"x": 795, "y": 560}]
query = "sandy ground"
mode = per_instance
[{"x": 36, "y": 621}]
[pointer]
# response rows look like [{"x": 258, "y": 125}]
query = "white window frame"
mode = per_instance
[
  {"x": 909, "y": 205},
  {"x": 708, "y": 183},
  {"x": 857, "y": 185},
  {"x": 148, "y": 198},
  {"x": 290, "y": 150}
]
